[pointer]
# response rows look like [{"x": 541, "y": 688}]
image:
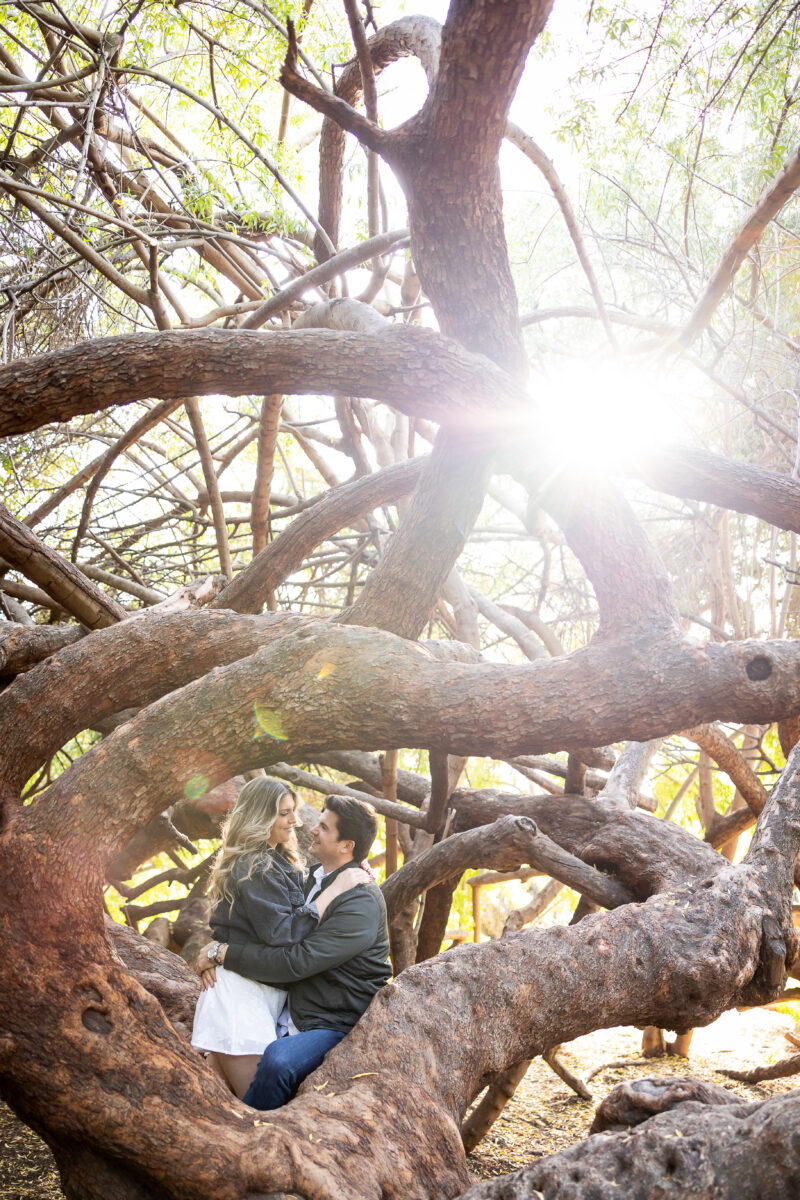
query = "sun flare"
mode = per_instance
[{"x": 601, "y": 417}]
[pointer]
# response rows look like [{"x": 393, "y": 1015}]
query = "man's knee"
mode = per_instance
[
  {"x": 278, "y": 1061},
  {"x": 273, "y": 1082},
  {"x": 285, "y": 1064}
]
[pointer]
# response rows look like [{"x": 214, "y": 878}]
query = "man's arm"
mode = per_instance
[{"x": 348, "y": 929}]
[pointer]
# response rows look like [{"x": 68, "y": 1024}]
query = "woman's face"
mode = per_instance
[{"x": 284, "y": 822}]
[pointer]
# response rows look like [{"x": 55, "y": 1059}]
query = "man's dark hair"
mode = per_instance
[{"x": 355, "y": 821}]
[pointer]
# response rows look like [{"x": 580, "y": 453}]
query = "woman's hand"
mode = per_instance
[
  {"x": 208, "y": 977},
  {"x": 205, "y": 967}
]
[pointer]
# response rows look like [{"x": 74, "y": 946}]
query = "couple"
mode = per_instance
[{"x": 323, "y": 941}]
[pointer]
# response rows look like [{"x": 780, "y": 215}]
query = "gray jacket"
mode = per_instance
[
  {"x": 333, "y": 973},
  {"x": 269, "y": 906}
]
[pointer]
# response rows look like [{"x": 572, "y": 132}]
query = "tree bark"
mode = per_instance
[
  {"x": 298, "y": 695},
  {"x": 416, "y": 370}
]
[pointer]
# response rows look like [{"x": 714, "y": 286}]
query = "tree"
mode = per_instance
[{"x": 202, "y": 685}]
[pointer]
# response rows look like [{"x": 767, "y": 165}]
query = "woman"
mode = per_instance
[{"x": 257, "y": 882}]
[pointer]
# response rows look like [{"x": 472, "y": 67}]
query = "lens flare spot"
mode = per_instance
[
  {"x": 328, "y": 669},
  {"x": 196, "y": 787},
  {"x": 269, "y": 723}
]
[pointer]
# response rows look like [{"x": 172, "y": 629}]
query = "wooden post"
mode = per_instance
[
  {"x": 391, "y": 846},
  {"x": 389, "y": 787}
]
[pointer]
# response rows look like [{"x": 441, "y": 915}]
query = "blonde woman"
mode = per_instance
[{"x": 257, "y": 882}]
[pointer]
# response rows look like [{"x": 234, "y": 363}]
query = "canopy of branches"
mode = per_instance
[{"x": 404, "y": 403}]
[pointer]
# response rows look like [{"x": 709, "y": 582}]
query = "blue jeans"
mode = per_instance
[{"x": 285, "y": 1064}]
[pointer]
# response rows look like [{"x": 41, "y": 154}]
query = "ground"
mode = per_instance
[{"x": 545, "y": 1115}]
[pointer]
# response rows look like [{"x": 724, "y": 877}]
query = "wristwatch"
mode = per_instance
[{"x": 214, "y": 955}]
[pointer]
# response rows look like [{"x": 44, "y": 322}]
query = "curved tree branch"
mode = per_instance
[
  {"x": 62, "y": 580},
  {"x": 416, "y": 370},
  {"x": 768, "y": 205},
  {"x": 505, "y": 845},
  {"x": 336, "y": 509}
]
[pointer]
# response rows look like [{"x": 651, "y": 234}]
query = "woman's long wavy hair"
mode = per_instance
[{"x": 246, "y": 832}]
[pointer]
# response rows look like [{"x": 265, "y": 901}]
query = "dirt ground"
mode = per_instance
[{"x": 544, "y": 1117}]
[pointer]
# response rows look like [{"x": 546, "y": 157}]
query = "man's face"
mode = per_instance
[{"x": 325, "y": 844}]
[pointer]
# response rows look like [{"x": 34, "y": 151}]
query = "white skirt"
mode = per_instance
[{"x": 237, "y": 1015}]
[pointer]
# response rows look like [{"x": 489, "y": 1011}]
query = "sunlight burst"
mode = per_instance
[{"x": 601, "y": 417}]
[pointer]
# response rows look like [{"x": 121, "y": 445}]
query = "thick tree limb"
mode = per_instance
[
  {"x": 24, "y": 646},
  {"x": 445, "y": 381},
  {"x": 628, "y": 577},
  {"x": 700, "y": 1150},
  {"x": 401, "y": 592},
  {"x": 316, "y": 688},
  {"x": 694, "y": 474},
  {"x": 62, "y": 580},
  {"x": 168, "y": 650},
  {"x": 633, "y": 1102},
  {"x": 439, "y": 153},
  {"x": 509, "y": 843}
]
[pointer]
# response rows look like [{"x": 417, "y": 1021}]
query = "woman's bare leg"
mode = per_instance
[
  {"x": 237, "y": 1070},
  {"x": 214, "y": 1060}
]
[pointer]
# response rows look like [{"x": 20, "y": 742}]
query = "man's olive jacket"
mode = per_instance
[{"x": 331, "y": 975}]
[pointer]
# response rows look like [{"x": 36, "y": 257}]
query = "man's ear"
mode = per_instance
[{"x": 350, "y": 844}]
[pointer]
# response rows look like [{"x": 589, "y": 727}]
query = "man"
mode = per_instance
[{"x": 333, "y": 974}]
